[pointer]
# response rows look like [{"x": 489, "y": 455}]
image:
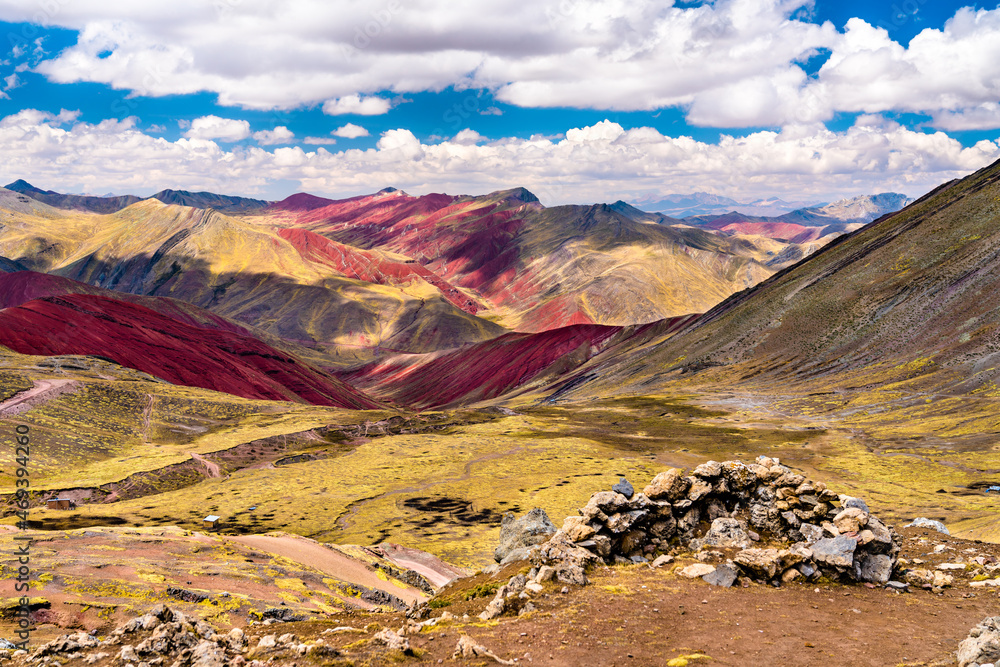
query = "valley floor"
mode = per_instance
[{"x": 442, "y": 484}]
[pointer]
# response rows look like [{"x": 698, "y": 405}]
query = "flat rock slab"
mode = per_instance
[
  {"x": 624, "y": 487},
  {"x": 724, "y": 575},
  {"x": 696, "y": 570},
  {"x": 923, "y": 522},
  {"x": 836, "y": 551}
]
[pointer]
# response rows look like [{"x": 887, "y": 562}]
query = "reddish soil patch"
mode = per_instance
[
  {"x": 640, "y": 616},
  {"x": 371, "y": 267},
  {"x": 482, "y": 371},
  {"x": 146, "y": 340}
]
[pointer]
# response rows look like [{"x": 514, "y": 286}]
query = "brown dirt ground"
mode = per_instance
[{"x": 639, "y": 616}]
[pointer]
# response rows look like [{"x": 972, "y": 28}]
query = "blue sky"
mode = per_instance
[{"x": 578, "y": 100}]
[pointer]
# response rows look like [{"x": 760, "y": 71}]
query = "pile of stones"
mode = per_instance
[
  {"x": 982, "y": 647},
  {"x": 168, "y": 637},
  {"x": 783, "y": 525}
]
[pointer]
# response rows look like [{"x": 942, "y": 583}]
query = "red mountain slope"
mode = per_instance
[
  {"x": 140, "y": 338},
  {"x": 22, "y": 286},
  {"x": 533, "y": 268},
  {"x": 487, "y": 370},
  {"x": 301, "y": 201},
  {"x": 776, "y": 230},
  {"x": 465, "y": 241},
  {"x": 370, "y": 266}
]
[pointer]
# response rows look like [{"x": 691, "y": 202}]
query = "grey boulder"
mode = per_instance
[
  {"x": 531, "y": 529},
  {"x": 623, "y": 487},
  {"x": 725, "y": 532},
  {"x": 874, "y": 568},
  {"x": 835, "y": 551},
  {"x": 928, "y": 523},
  {"x": 724, "y": 576},
  {"x": 850, "y": 501},
  {"x": 982, "y": 645}
]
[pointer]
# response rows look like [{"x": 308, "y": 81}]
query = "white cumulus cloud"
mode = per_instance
[
  {"x": 279, "y": 135},
  {"x": 729, "y": 63},
  {"x": 467, "y": 137},
  {"x": 350, "y": 131},
  {"x": 981, "y": 117},
  {"x": 356, "y": 104},
  {"x": 602, "y": 162},
  {"x": 223, "y": 129}
]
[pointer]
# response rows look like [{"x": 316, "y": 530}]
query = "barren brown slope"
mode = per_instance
[
  {"x": 910, "y": 295},
  {"x": 888, "y": 340}
]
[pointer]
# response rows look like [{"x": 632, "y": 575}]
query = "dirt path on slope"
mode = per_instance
[
  {"x": 429, "y": 566},
  {"x": 328, "y": 561},
  {"x": 213, "y": 468},
  {"x": 43, "y": 392}
]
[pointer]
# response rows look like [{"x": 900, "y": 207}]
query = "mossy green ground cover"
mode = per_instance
[
  {"x": 446, "y": 492},
  {"x": 909, "y": 452}
]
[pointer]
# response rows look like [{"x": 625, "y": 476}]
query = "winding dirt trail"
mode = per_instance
[
  {"x": 429, "y": 566},
  {"x": 43, "y": 392},
  {"x": 146, "y": 414},
  {"x": 328, "y": 561},
  {"x": 213, "y": 468}
]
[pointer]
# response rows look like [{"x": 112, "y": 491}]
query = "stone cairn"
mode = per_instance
[
  {"x": 171, "y": 639},
  {"x": 777, "y": 525}
]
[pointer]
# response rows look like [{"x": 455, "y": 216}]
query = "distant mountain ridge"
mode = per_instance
[
  {"x": 227, "y": 203},
  {"x": 82, "y": 202},
  {"x": 864, "y": 208},
  {"x": 113, "y": 204},
  {"x": 807, "y": 224},
  {"x": 486, "y": 262},
  {"x": 703, "y": 206},
  {"x": 704, "y": 203}
]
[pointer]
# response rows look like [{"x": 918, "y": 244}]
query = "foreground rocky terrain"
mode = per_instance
[{"x": 710, "y": 591}]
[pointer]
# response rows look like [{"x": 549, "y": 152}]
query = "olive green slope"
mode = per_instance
[
  {"x": 620, "y": 271},
  {"x": 91, "y": 422}
]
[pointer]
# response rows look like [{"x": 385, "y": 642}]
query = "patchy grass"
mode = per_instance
[
  {"x": 110, "y": 429},
  {"x": 446, "y": 491}
]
